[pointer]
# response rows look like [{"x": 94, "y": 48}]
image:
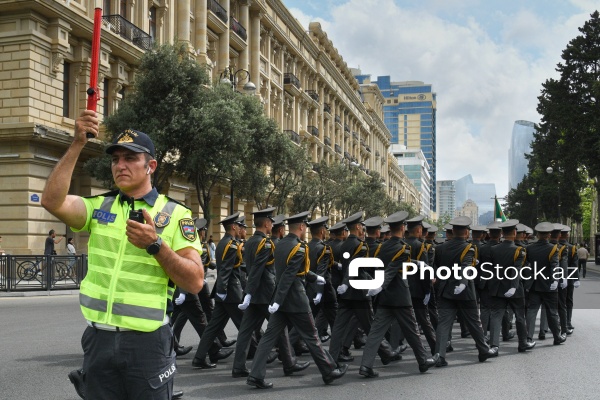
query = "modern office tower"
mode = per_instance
[
  {"x": 520, "y": 144},
  {"x": 414, "y": 165},
  {"x": 481, "y": 193},
  {"x": 446, "y": 198}
]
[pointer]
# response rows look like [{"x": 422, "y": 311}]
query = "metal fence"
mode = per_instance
[{"x": 27, "y": 273}]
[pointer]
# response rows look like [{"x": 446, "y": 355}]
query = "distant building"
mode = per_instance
[
  {"x": 414, "y": 165},
  {"x": 446, "y": 198},
  {"x": 520, "y": 144},
  {"x": 469, "y": 209},
  {"x": 481, "y": 193}
]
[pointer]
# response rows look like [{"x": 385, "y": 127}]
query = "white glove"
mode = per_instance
[
  {"x": 576, "y": 284},
  {"x": 342, "y": 289},
  {"x": 458, "y": 289},
  {"x": 222, "y": 296},
  {"x": 374, "y": 292},
  {"x": 317, "y": 299},
  {"x": 320, "y": 280},
  {"x": 426, "y": 299},
  {"x": 564, "y": 283},
  {"x": 246, "y": 302},
  {"x": 339, "y": 265},
  {"x": 180, "y": 299},
  {"x": 273, "y": 308},
  {"x": 510, "y": 292},
  {"x": 554, "y": 285}
]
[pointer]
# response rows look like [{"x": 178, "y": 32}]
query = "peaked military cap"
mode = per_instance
[
  {"x": 448, "y": 227},
  {"x": 337, "y": 227},
  {"x": 432, "y": 229},
  {"x": 511, "y": 223},
  {"x": 544, "y": 227},
  {"x": 278, "y": 220},
  {"x": 418, "y": 220},
  {"x": 241, "y": 221},
  {"x": 557, "y": 227},
  {"x": 521, "y": 228},
  {"x": 529, "y": 230},
  {"x": 133, "y": 140},
  {"x": 396, "y": 218},
  {"x": 426, "y": 225},
  {"x": 494, "y": 226},
  {"x": 200, "y": 223},
  {"x": 461, "y": 222},
  {"x": 316, "y": 223},
  {"x": 373, "y": 222},
  {"x": 354, "y": 218},
  {"x": 385, "y": 229},
  {"x": 479, "y": 228},
  {"x": 230, "y": 219},
  {"x": 566, "y": 229},
  {"x": 266, "y": 213},
  {"x": 301, "y": 217}
]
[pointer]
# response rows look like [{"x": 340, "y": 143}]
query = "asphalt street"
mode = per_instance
[{"x": 40, "y": 344}]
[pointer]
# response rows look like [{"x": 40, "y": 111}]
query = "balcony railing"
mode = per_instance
[
  {"x": 291, "y": 79},
  {"x": 313, "y": 130},
  {"x": 237, "y": 28},
  {"x": 313, "y": 95},
  {"x": 347, "y": 155},
  {"x": 338, "y": 149},
  {"x": 327, "y": 108},
  {"x": 328, "y": 141},
  {"x": 218, "y": 10},
  {"x": 346, "y": 128},
  {"x": 128, "y": 31},
  {"x": 295, "y": 137},
  {"x": 355, "y": 135}
]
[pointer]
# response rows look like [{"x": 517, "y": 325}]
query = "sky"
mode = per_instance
[{"x": 487, "y": 61}]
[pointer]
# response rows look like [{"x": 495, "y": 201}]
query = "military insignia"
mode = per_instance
[
  {"x": 125, "y": 138},
  {"x": 162, "y": 219},
  {"x": 188, "y": 229}
]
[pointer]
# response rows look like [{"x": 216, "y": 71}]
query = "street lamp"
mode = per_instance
[
  {"x": 550, "y": 170},
  {"x": 232, "y": 78}
]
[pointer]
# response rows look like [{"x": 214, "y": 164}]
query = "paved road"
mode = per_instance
[{"x": 40, "y": 344}]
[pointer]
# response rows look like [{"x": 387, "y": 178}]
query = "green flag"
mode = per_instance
[{"x": 498, "y": 213}]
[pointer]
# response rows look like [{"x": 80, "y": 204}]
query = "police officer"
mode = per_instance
[
  {"x": 259, "y": 290},
  {"x": 543, "y": 285},
  {"x": 159, "y": 239},
  {"x": 458, "y": 295},
  {"x": 394, "y": 301},
  {"x": 290, "y": 306},
  {"x": 420, "y": 289},
  {"x": 505, "y": 288},
  {"x": 228, "y": 293},
  {"x": 354, "y": 302}
]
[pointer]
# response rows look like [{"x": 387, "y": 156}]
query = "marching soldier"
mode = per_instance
[
  {"x": 484, "y": 255},
  {"x": 290, "y": 306},
  {"x": 572, "y": 274},
  {"x": 458, "y": 295},
  {"x": 505, "y": 288},
  {"x": 278, "y": 231},
  {"x": 430, "y": 246},
  {"x": 259, "y": 291},
  {"x": 563, "y": 262},
  {"x": 420, "y": 289},
  {"x": 544, "y": 284}
]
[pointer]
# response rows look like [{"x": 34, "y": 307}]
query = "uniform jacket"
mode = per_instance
[
  {"x": 506, "y": 254},
  {"x": 418, "y": 252},
  {"x": 484, "y": 255},
  {"x": 229, "y": 259},
  {"x": 373, "y": 248},
  {"x": 455, "y": 251},
  {"x": 572, "y": 273},
  {"x": 542, "y": 256},
  {"x": 336, "y": 273},
  {"x": 291, "y": 260},
  {"x": 396, "y": 293},
  {"x": 259, "y": 259},
  {"x": 321, "y": 260},
  {"x": 356, "y": 248}
]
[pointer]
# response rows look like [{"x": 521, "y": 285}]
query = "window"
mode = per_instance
[
  {"x": 153, "y": 23},
  {"x": 106, "y": 7},
  {"x": 123, "y": 9},
  {"x": 105, "y": 98},
  {"x": 66, "y": 89}
]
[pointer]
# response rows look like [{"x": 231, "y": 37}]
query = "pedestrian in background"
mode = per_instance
[{"x": 582, "y": 254}]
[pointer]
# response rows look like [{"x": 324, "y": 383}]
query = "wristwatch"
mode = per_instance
[{"x": 154, "y": 248}]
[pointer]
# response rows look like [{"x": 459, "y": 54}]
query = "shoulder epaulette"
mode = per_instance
[{"x": 176, "y": 201}]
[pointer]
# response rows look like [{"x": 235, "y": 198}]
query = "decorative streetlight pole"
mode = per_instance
[
  {"x": 231, "y": 77},
  {"x": 550, "y": 170}
]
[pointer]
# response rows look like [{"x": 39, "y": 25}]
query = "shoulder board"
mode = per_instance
[
  {"x": 301, "y": 249},
  {"x": 178, "y": 202},
  {"x": 112, "y": 193}
]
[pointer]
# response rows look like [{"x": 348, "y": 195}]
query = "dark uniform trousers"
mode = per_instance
[
  {"x": 550, "y": 302},
  {"x": 254, "y": 316},
  {"x": 432, "y": 307},
  {"x": 498, "y": 316},
  {"x": 385, "y": 315},
  {"x": 562, "y": 308},
  {"x": 447, "y": 310},
  {"x": 327, "y": 310},
  {"x": 208, "y": 306},
  {"x": 361, "y": 309},
  {"x": 128, "y": 364},
  {"x": 485, "y": 309},
  {"x": 422, "y": 314},
  {"x": 304, "y": 324},
  {"x": 189, "y": 310},
  {"x": 570, "y": 292},
  {"x": 221, "y": 315}
]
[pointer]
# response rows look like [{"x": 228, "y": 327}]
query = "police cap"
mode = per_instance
[{"x": 133, "y": 140}]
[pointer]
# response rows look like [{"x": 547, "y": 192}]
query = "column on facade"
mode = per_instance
[
  {"x": 201, "y": 38},
  {"x": 223, "y": 52},
  {"x": 245, "y": 21},
  {"x": 254, "y": 43},
  {"x": 183, "y": 20}
]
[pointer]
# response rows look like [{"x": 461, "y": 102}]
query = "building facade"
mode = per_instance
[
  {"x": 520, "y": 144},
  {"x": 469, "y": 209},
  {"x": 301, "y": 79},
  {"x": 446, "y": 198},
  {"x": 414, "y": 165},
  {"x": 481, "y": 193}
]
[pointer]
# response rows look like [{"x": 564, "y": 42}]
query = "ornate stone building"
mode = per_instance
[{"x": 301, "y": 79}]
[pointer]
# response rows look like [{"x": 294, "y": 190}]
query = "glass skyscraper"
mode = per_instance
[
  {"x": 410, "y": 115},
  {"x": 520, "y": 144}
]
